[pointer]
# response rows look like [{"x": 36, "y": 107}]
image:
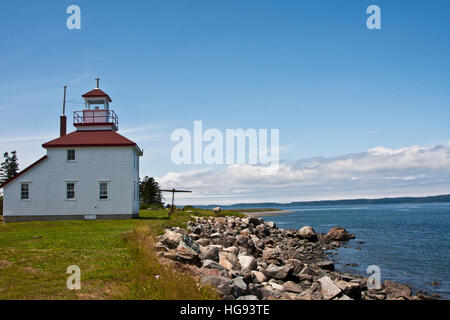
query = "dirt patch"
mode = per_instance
[
  {"x": 5, "y": 263},
  {"x": 31, "y": 269}
]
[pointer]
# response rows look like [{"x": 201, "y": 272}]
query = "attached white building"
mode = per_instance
[{"x": 91, "y": 173}]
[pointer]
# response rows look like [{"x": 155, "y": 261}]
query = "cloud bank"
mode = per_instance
[{"x": 377, "y": 172}]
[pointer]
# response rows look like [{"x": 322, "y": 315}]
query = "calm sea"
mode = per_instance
[{"x": 409, "y": 242}]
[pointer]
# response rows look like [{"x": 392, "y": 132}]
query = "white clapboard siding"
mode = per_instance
[{"x": 118, "y": 166}]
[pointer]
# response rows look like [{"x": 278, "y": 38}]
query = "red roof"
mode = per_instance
[
  {"x": 23, "y": 171},
  {"x": 90, "y": 138},
  {"x": 96, "y": 93}
]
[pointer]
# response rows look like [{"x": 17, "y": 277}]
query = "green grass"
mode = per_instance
[{"x": 115, "y": 257}]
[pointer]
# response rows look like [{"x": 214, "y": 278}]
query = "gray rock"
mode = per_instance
[
  {"x": 211, "y": 264},
  {"x": 277, "y": 272},
  {"x": 239, "y": 286},
  {"x": 351, "y": 289},
  {"x": 308, "y": 233},
  {"x": 328, "y": 289},
  {"x": 222, "y": 284},
  {"x": 326, "y": 265},
  {"x": 339, "y": 234},
  {"x": 259, "y": 276},
  {"x": 229, "y": 261},
  {"x": 292, "y": 287},
  {"x": 248, "y": 263},
  {"x": 234, "y": 250},
  {"x": 171, "y": 239},
  {"x": 209, "y": 252},
  {"x": 297, "y": 266},
  {"x": 203, "y": 242}
]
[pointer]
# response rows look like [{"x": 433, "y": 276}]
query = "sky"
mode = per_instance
[{"x": 360, "y": 112}]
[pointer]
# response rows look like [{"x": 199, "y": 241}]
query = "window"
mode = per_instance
[
  {"x": 70, "y": 190},
  {"x": 70, "y": 155},
  {"x": 103, "y": 191},
  {"x": 25, "y": 191}
]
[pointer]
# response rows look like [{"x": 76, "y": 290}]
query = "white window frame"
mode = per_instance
[
  {"x": 74, "y": 190},
  {"x": 74, "y": 155},
  {"x": 28, "y": 191},
  {"x": 100, "y": 190}
]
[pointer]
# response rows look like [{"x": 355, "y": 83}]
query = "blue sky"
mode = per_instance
[{"x": 309, "y": 68}]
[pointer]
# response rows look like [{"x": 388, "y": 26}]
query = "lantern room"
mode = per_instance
[{"x": 96, "y": 114}]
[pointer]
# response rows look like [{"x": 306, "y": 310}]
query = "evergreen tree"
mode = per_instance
[
  {"x": 9, "y": 167},
  {"x": 149, "y": 191}
]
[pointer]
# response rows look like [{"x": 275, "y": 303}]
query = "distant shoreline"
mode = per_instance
[{"x": 445, "y": 198}]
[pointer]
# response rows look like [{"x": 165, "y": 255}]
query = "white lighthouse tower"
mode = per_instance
[{"x": 90, "y": 173}]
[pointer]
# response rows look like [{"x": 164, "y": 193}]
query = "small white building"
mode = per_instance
[{"x": 91, "y": 173}]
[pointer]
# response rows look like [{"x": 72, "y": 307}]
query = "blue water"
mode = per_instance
[{"x": 409, "y": 242}]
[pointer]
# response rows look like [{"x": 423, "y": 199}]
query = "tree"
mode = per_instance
[
  {"x": 149, "y": 191},
  {"x": 9, "y": 167}
]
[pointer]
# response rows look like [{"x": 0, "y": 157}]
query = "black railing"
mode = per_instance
[{"x": 96, "y": 117}]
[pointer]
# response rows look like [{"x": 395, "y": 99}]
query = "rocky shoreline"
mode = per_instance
[{"x": 250, "y": 259}]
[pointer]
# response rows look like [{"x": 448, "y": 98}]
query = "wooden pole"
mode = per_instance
[{"x": 173, "y": 198}]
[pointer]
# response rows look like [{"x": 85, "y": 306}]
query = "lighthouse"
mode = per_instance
[{"x": 91, "y": 173}]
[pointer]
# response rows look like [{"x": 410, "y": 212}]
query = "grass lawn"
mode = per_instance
[{"x": 115, "y": 257}]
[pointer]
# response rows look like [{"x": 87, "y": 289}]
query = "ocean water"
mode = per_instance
[{"x": 409, "y": 242}]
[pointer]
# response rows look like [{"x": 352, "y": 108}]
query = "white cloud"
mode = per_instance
[{"x": 414, "y": 170}]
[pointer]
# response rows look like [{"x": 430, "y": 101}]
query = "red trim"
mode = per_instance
[
  {"x": 94, "y": 124},
  {"x": 92, "y": 145},
  {"x": 23, "y": 171}
]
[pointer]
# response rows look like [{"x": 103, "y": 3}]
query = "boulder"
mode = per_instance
[
  {"x": 396, "y": 290},
  {"x": 209, "y": 252},
  {"x": 328, "y": 289},
  {"x": 326, "y": 265},
  {"x": 211, "y": 264},
  {"x": 239, "y": 287},
  {"x": 188, "y": 251},
  {"x": 248, "y": 263},
  {"x": 259, "y": 276},
  {"x": 351, "y": 289},
  {"x": 308, "y": 233},
  {"x": 292, "y": 287},
  {"x": 271, "y": 224},
  {"x": 270, "y": 255},
  {"x": 203, "y": 242},
  {"x": 277, "y": 272},
  {"x": 234, "y": 250},
  {"x": 276, "y": 286},
  {"x": 220, "y": 283},
  {"x": 339, "y": 234},
  {"x": 171, "y": 239},
  {"x": 229, "y": 261},
  {"x": 297, "y": 266},
  {"x": 215, "y": 235},
  {"x": 159, "y": 247}
]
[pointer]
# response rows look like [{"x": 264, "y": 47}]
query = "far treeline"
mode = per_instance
[{"x": 430, "y": 199}]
